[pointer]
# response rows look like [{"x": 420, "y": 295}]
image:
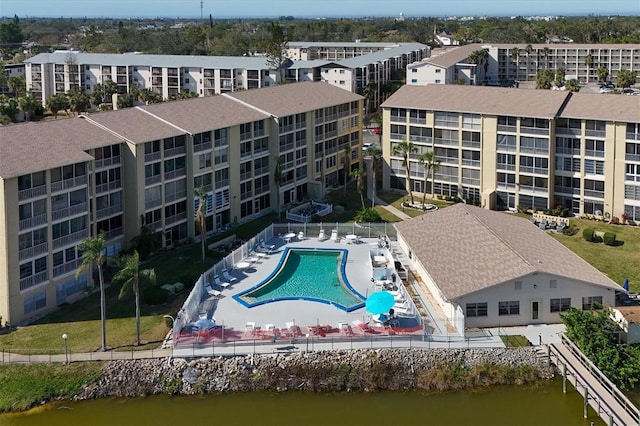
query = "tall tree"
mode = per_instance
[
  {"x": 131, "y": 275},
  {"x": 29, "y": 104},
  {"x": 93, "y": 254},
  {"x": 405, "y": 149},
  {"x": 625, "y": 78},
  {"x": 588, "y": 61},
  {"x": 276, "y": 51},
  {"x": 56, "y": 103},
  {"x": 78, "y": 101},
  {"x": 357, "y": 173},
  {"x": 346, "y": 165},
  {"x": 545, "y": 53},
  {"x": 515, "y": 55},
  {"x": 602, "y": 73},
  {"x": 278, "y": 178},
  {"x": 376, "y": 155},
  {"x": 201, "y": 216},
  {"x": 430, "y": 164}
]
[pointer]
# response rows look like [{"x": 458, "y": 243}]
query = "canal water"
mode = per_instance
[{"x": 542, "y": 404}]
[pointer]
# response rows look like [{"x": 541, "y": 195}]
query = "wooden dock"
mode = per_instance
[{"x": 598, "y": 391}]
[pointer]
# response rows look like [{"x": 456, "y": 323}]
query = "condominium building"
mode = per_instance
[
  {"x": 520, "y": 62},
  {"x": 503, "y": 147},
  {"x": 65, "y": 180},
  {"x": 359, "y": 65}
]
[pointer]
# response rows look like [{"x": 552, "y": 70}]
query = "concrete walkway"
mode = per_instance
[{"x": 402, "y": 215}]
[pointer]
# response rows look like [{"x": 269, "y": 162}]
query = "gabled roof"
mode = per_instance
[
  {"x": 480, "y": 100},
  {"x": 33, "y": 147},
  {"x": 294, "y": 98},
  {"x": 604, "y": 107},
  {"x": 450, "y": 56},
  {"x": 466, "y": 249}
]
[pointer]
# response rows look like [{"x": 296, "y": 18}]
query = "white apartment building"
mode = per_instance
[
  {"x": 65, "y": 180},
  {"x": 518, "y": 62},
  {"x": 503, "y": 147},
  {"x": 169, "y": 75}
]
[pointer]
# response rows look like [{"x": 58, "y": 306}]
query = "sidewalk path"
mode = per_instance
[{"x": 402, "y": 215}]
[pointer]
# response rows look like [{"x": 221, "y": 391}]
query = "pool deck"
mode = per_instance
[{"x": 233, "y": 317}]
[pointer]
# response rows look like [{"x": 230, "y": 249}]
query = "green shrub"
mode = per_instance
[
  {"x": 587, "y": 234},
  {"x": 368, "y": 215},
  {"x": 155, "y": 296},
  {"x": 609, "y": 238}
]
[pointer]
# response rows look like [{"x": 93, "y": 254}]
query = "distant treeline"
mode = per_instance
[{"x": 244, "y": 36}]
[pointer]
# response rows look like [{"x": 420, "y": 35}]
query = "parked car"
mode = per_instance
[
  {"x": 366, "y": 146},
  {"x": 630, "y": 91},
  {"x": 606, "y": 90}
]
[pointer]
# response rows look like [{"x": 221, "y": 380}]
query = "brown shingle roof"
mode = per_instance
[
  {"x": 479, "y": 100},
  {"x": 135, "y": 125},
  {"x": 606, "y": 107},
  {"x": 288, "y": 99},
  {"x": 32, "y": 147},
  {"x": 452, "y": 56},
  {"x": 466, "y": 249},
  {"x": 201, "y": 114}
]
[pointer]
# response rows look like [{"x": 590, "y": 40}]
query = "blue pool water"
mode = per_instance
[{"x": 309, "y": 274}]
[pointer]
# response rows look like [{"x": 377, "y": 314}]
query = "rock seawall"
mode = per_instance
[{"x": 366, "y": 370}]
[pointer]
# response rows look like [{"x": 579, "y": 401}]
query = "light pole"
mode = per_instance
[{"x": 66, "y": 352}]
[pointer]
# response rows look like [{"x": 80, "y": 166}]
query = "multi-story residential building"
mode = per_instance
[
  {"x": 520, "y": 62},
  {"x": 65, "y": 180},
  {"x": 506, "y": 147},
  {"x": 169, "y": 75}
]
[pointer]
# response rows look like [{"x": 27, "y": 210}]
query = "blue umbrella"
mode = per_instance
[
  {"x": 625, "y": 284},
  {"x": 379, "y": 302}
]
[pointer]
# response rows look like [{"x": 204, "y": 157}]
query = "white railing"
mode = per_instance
[
  {"x": 71, "y": 238},
  {"x": 33, "y": 221},
  {"x": 33, "y": 251}
]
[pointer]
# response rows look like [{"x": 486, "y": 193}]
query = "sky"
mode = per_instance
[{"x": 312, "y": 8}]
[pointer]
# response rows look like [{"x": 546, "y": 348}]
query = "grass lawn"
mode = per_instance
[
  {"x": 396, "y": 198},
  {"x": 617, "y": 262},
  {"x": 515, "y": 341}
]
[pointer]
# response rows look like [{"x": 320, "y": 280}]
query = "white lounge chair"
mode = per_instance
[
  {"x": 334, "y": 236},
  {"x": 301, "y": 235},
  {"x": 227, "y": 276},
  {"x": 212, "y": 292},
  {"x": 219, "y": 283},
  {"x": 321, "y": 236}
]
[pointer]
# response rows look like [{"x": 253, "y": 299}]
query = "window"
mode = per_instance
[
  {"x": 476, "y": 309},
  {"x": 204, "y": 160},
  {"x": 511, "y": 307},
  {"x": 560, "y": 305},
  {"x": 591, "y": 302}
]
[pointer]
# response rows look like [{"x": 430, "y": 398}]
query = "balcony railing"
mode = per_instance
[
  {"x": 504, "y": 128},
  {"x": 447, "y": 142},
  {"x": 535, "y": 170},
  {"x": 175, "y": 218},
  {"x": 261, "y": 170},
  {"x": 593, "y": 153},
  {"x": 596, "y": 133},
  {"x": 65, "y": 268},
  {"x": 155, "y": 202},
  {"x": 202, "y": 146},
  {"x": 152, "y": 180},
  {"x": 175, "y": 196},
  {"x": 534, "y": 131},
  {"x": 222, "y": 183},
  {"x": 505, "y": 166},
  {"x": 569, "y": 151},
  {"x": 417, "y": 120},
  {"x": 110, "y": 235},
  {"x": 563, "y": 131},
  {"x": 70, "y": 239},
  {"x": 174, "y": 151},
  {"x": 33, "y": 221},
  {"x": 152, "y": 156},
  {"x": 36, "y": 191},
  {"x": 33, "y": 280},
  {"x": 246, "y": 175},
  {"x": 68, "y": 183},
  {"x": 108, "y": 211},
  {"x": 593, "y": 193},
  {"x": 566, "y": 189},
  {"x": 109, "y": 186},
  {"x": 632, "y": 157},
  {"x": 105, "y": 162},
  {"x": 69, "y": 211},
  {"x": 33, "y": 251}
]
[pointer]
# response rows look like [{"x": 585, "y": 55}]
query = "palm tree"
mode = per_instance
[
  {"x": 405, "y": 149},
  {"x": 29, "y": 104},
  {"x": 515, "y": 54},
  {"x": 201, "y": 216},
  {"x": 528, "y": 49},
  {"x": 131, "y": 275},
  {"x": 375, "y": 153},
  {"x": 346, "y": 165},
  {"x": 278, "y": 178},
  {"x": 588, "y": 61},
  {"x": 357, "y": 173},
  {"x": 92, "y": 250},
  {"x": 430, "y": 164},
  {"x": 545, "y": 53},
  {"x": 602, "y": 73}
]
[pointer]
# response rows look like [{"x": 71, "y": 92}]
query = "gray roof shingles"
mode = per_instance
[{"x": 466, "y": 249}]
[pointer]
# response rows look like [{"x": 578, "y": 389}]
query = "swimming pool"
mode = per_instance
[{"x": 313, "y": 274}]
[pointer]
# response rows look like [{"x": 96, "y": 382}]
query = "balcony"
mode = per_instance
[
  {"x": 31, "y": 222},
  {"x": 70, "y": 239},
  {"x": 534, "y": 170},
  {"x": 69, "y": 211},
  {"x": 175, "y": 218},
  {"x": 505, "y": 166},
  {"x": 175, "y": 196},
  {"x": 172, "y": 152},
  {"x": 152, "y": 156},
  {"x": 109, "y": 211},
  {"x": 36, "y": 250},
  {"x": 564, "y": 131},
  {"x": 261, "y": 170},
  {"x": 593, "y": 153},
  {"x": 36, "y": 191},
  {"x": 204, "y": 146},
  {"x": 114, "y": 233},
  {"x": 632, "y": 157},
  {"x": 33, "y": 280},
  {"x": 534, "y": 130},
  {"x": 593, "y": 193},
  {"x": 65, "y": 268},
  {"x": 566, "y": 189},
  {"x": 415, "y": 120},
  {"x": 152, "y": 180},
  {"x": 174, "y": 174},
  {"x": 105, "y": 162},
  {"x": 447, "y": 142},
  {"x": 109, "y": 186},
  {"x": 68, "y": 183},
  {"x": 155, "y": 202}
]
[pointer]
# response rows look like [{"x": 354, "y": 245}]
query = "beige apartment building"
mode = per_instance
[
  {"x": 502, "y": 148},
  {"x": 65, "y": 180}
]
